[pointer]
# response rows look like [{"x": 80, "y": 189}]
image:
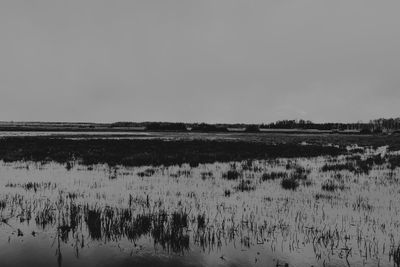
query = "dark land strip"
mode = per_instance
[{"x": 151, "y": 152}]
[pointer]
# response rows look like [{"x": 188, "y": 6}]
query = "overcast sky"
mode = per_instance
[{"x": 203, "y": 60}]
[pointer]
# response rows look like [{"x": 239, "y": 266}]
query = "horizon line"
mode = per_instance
[{"x": 192, "y": 122}]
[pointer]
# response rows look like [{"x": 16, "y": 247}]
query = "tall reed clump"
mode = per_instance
[
  {"x": 289, "y": 183},
  {"x": 273, "y": 175},
  {"x": 231, "y": 175}
]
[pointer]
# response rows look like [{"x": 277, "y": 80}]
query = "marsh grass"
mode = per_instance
[
  {"x": 273, "y": 175},
  {"x": 146, "y": 173},
  {"x": 323, "y": 196},
  {"x": 231, "y": 175},
  {"x": 3, "y": 204},
  {"x": 289, "y": 184},
  {"x": 395, "y": 255},
  {"x": 359, "y": 166},
  {"x": 181, "y": 173},
  {"x": 93, "y": 222},
  {"x": 299, "y": 173},
  {"x": 362, "y": 203},
  {"x": 206, "y": 175},
  {"x": 227, "y": 193},
  {"x": 150, "y": 152},
  {"x": 332, "y": 186},
  {"x": 394, "y": 161},
  {"x": 245, "y": 185},
  {"x": 33, "y": 186}
]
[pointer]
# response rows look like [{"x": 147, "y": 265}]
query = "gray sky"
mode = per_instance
[{"x": 203, "y": 60}]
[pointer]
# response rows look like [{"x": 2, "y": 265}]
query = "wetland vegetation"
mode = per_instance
[
  {"x": 150, "y": 152},
  {"x": 303, "y": 201}
]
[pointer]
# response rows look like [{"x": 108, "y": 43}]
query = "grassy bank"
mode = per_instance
[{"x": 150, "y": 152}]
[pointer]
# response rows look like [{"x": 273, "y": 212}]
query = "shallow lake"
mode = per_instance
[{"x": 221, "y": 214}]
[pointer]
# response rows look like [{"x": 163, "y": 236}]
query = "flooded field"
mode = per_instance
[{"x": 329, "y": 210}]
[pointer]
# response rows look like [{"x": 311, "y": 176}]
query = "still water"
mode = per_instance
[{"x": 74, "y": 215}]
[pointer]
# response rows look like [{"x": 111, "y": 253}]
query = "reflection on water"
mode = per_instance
[{"x": 336, "y": 211}]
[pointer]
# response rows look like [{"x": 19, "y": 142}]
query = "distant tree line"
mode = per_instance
[
  {"x": 205, "y": 127},
  {"x": 373, "y": 126},
  {"x": 166, "y": 126},
  {"x": 378, "y": 125}
]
